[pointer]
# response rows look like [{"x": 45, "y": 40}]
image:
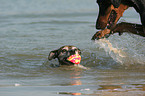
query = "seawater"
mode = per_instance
[{"x": 30, "y": 29}]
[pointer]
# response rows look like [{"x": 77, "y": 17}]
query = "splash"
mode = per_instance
[
  {"x": 115, "y": 53},
  {"x": 126, "y": 50},
  {"x": 81, "y": 66},
  {"x": 16, "y": 84}
]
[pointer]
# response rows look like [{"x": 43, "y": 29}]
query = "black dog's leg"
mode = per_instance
[
  {"x": 130, "y": 28},
  {"x": 120, "y": 28}
]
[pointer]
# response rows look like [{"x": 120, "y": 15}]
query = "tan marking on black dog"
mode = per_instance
[{"x": 110, "y": 12}]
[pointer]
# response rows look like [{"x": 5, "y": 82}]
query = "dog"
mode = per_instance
[
  {"x": 66, "y": 55},
  {"x": 110, "y": 12}
]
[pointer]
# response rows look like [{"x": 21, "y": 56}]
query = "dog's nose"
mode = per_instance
[{"x": 72, "y": 52}]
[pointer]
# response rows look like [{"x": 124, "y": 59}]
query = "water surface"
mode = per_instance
[{"x": 30, "y": 29}]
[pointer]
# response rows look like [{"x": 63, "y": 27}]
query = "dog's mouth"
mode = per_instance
[
  {"x": 75, "y": 59},
  {"x": 71, "y": 60},
  {"x": 111, "y": 19},
  {"x": 66, "y": 62}
]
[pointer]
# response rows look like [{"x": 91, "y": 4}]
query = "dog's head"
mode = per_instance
[
  {"x": 109, "y": 13},
  {"x": 66, "y": 55}
]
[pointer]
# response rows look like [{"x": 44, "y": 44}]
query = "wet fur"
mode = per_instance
[{"x": 63, "y": 53}]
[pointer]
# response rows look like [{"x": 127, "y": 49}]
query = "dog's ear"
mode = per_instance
[
  {"x": 52, "y": 55},
  {"x": 116, "y": 3}
]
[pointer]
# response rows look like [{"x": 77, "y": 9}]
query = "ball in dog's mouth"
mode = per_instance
[{"x": 76, "y": 58}]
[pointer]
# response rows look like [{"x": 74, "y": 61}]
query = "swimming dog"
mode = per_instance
[{"x": 66, "y": 55}]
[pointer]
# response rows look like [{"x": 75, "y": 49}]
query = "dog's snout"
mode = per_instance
[
  {"x": 72, "y": 52},
  {"x": 101, "y": 24}
]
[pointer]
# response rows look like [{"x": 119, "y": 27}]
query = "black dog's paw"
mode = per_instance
[
  {"x": 101, "y": 34},
  {"x": 96, "y": 36}
]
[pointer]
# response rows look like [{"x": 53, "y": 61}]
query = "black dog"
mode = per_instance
[
  {"x": 110, "y": 12},
  {"x": 66, "y": 55}
]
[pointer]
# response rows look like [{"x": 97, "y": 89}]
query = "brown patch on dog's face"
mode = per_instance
[
  {"x": 109, "y": 16},
  {"x": 63, "y": 53}
]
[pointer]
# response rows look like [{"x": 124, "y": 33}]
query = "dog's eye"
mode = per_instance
[{"x": 64, "y": 50}]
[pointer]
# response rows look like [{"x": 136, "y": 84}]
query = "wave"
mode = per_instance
[{"x": 126, "y": 53}]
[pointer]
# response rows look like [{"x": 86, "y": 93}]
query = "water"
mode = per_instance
[{"x": 30, "y": 29}]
